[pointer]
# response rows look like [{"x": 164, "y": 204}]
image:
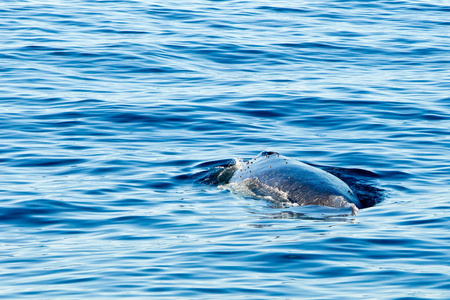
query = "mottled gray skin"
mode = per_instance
[{"x": 301, "y": 183}]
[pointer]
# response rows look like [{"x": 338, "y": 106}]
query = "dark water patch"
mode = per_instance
[
  {"x": 184, "y": 178},
  {"x": 29, "y": 217},
  {"x": 427, "y": 222},
  {"x": 107, "y": 170},
  {"x": 76, "y": 147},
  {"x": 128, "y": 117},
  {"x": 119, "y": 32},
  {"x": 67, "y": 115},
  {"x": 62, "y": 124},
  {"x": 172, "y": 14},
  {"x": 151, "y": 70},
  {"x": 397, "y": 175},
  {"x": 259, "y": 113},
  {"x": 132, "y": 238},
  {"x": 160, "y": 185},
  {"x": 82, "y": 134},
  {"x": 288, "y": 10},
  {"x": 73, "y": 218},
  {"x": 100, "y": 191},
  {"x": 47, "y": 162},
  {"x": 139, "y": 221}
]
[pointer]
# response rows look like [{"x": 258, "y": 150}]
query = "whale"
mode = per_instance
[{"x": 284, "y": 180}]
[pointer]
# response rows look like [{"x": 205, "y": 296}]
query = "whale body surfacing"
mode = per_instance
[{"x": 273, "y": 176}]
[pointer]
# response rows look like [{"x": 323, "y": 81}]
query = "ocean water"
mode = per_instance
[{"x": 110, "y": 110}]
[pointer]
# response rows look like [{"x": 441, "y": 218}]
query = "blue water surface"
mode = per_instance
[{"x": 109, "y": 109}]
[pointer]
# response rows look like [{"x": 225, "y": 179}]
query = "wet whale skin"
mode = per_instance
[{"x": 300, "y": 183}]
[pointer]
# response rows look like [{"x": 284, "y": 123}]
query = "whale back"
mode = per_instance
[{"x": 285, "y": 179}]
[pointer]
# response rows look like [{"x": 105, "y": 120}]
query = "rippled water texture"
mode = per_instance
[{"x": 110, "y": 109}]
